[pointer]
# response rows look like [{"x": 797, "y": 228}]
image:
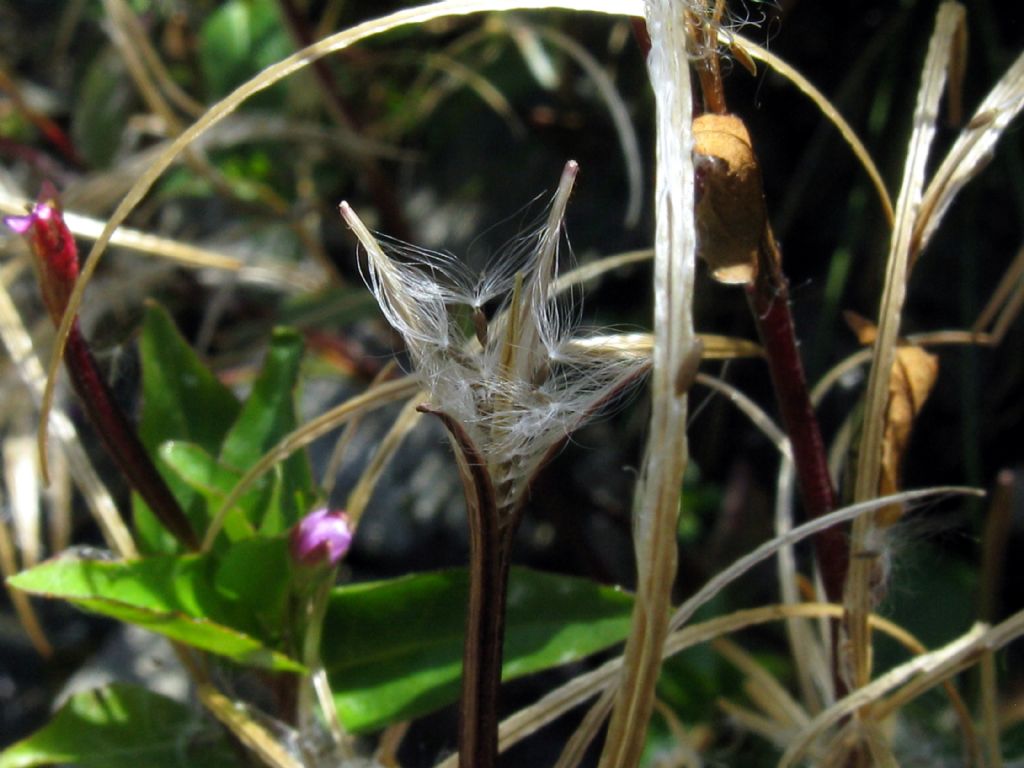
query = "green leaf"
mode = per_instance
[
  {"x": 238, "y": 40},
  {"x": 253, "y": 578},
  {"x": 123, "y": 726},
  {"x": 104, "y": 101},
  {"x": 393, "y": 649},
  {"x": 232, "y": 606},
  {"x": 213, "y": 481},
  {"x": 267, "y": 416},
  {"x": 182, "y": 400}
]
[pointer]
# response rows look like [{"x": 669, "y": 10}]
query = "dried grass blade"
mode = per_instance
[
  {"x": 809, "y": 655},
  {"x": 916, "y": 676},
  {"x": 268, "y": 77},
  {"x": 303, "y": 436},
  {"x": 16, "y": 339},
  {"x": 485, "y": 90},
  {"x": 754, "y": 722},
  {"x": 576, "y": 747},
  {"x": 185, "y": 254},
  {"x": 619, "y": 113},
  {"x": 341, "y": 445},
  {"x": 971, "y": 151},
  {"x": 777, "y": 701},
  {"x": 559, "y": 701},
  {"x": 123, "y": 17},
  {"x": 21, "y": 479},
  {"x": 247, "y": 729},
  {"x": 129, "y": 39},
  {"x": 578, "y": 690},
  {"x": 22, "y": 606},
  {"x": 656, "y": 507},
  {"x": 728, "y": 575},
  {"x": 1005, "y": 302},
  {"x": 713, "y": 347},
  {"x": 857, "y": 594},
  {"x": 409, "y": 417},
  {"x": 827, "y": 109},
  {"x": 595, "y": 269},
  {"x": 751, "y": 410},
  {"x": 58, "y": 520}
]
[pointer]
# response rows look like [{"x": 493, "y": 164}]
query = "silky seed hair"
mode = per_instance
[{"x": 519, "y": 383}]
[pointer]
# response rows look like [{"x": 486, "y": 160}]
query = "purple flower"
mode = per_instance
[{"x": 321, "y": 538}]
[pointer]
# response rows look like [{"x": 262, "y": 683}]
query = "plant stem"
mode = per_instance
[
  {"x": 489, "y": 545},
  {"x": 120, "y": 439},
  {"x": 482, "y": 652},
  {"x": 768, "y": 297}
]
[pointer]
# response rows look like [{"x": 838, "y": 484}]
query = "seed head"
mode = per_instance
[{"x": 516, "y": 382}]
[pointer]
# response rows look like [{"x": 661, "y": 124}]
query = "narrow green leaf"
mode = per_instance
[
  {"x": 267, "y": 416},
  {"x": 232, "y": 606},
  {"x": 182, "y": 400},
  {"x": 393, "y": 649},
  {"x": 213, "y": 481},
  {"x": 123, "y": 726}
]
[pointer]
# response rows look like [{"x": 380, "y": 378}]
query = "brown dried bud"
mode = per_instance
[{"x": 730, "y": 200}]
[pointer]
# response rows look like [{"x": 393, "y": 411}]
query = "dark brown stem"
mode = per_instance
[
  {"x": 489, "y": 545},
  {"x": 120, "y": 439},
  {"x": 482, "y": 654},
  {"x": 769, "y": 301}
]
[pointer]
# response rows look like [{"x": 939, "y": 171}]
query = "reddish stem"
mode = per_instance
[
  {"x": 769, "y": 301},
  {"x": 121, "y": 440},
  {"x": 56, "y": 258}
]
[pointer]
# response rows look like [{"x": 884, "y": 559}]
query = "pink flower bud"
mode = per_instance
[
  {"x": 321, "y": 538},
  {"x": 53, "y": 246}
]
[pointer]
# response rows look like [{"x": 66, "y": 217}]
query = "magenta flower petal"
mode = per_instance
[
  {"x": 19, "y": 224},
  {"x": 321, "y": 538}
]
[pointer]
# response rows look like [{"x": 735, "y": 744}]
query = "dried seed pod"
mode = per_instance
[{"x": 730, "y": 206}]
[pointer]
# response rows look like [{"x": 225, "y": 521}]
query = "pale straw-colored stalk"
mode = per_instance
[
  {"x": 856, "y": 649},
  {"x": 909, "y": 680},
  {"x": 657, "y": 498}
]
